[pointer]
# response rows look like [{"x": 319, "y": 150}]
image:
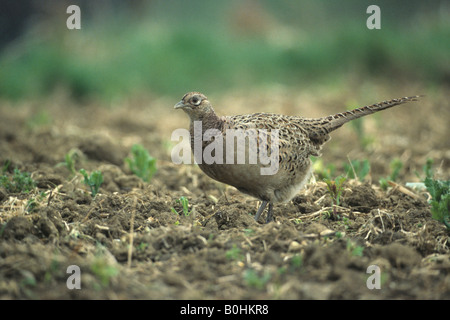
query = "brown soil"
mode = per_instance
[{"x": 218, "y": 251}]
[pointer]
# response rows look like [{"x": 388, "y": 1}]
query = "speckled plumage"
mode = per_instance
[{"x": 299, "y": 138}]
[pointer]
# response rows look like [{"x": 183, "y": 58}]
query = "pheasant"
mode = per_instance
[{"x": 297, "y": 139}]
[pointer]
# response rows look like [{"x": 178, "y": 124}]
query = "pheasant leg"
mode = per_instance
[{"x": 260, "y": 210}]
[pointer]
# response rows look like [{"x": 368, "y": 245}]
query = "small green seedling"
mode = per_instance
[
  {"x": 296, "y": 262},
  {"x": 104, "y": 270},
  {"x": 253, "y": 279},
  {"x": 335, "y": 189},
  {"x": 346, "y": 222},
  {"x": 440, "y": 201},
  {"x": 185, "y": 206},
  {"x": 18, "y": 182},
  {"x": 141, "y": 163},
  {"x": 357, "y": 168},
  {"x": 70, "y": 163},
  {"x": 93, "y": 181},
  {"x": 396, "y": 165},
  {"x": 354, "y": 249},
  {"x": 52, "y": 269},
  {"x": 427, "y": 169},
  {"x": 234, "y": 253},
  {"x": 6, "y": 166},
  {"x": 33, "y": 203},
  {"x": 72, "y": 157}
]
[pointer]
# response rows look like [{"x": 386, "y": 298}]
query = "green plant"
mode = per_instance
[
  {"x": 440, "y": 201},
  {"x": 184, "y": 206},
  {"x": 428, "y": 168},
  {"x": 234, "y": 253},
  {"x": 296, "y": 262},
  {"x": 355, "y": 250},
  {"x": 253, "y": 279},
  {"x": 6, "y": 166},
  {"x": 141, "y": 163},
  {"x": 70, "y": 159},
  {"x": 52, "y": 269},
  {"x": 93, "y": 181},
  {"x": 357, "y": 168},
  {"x": 346, "y": 222},
  {"x": 27, "y": 284},
  {"x": 326, "y": 214},
  {"x": 18, "y": 182},
  {"x": 103, "y": 270},
  {"x": 142, "y": 246},
  {"x": 396, "y": 165},
  {"x": 70, "y": 162},
  {"x": 335, "y": 189},
  {"x": 33, "y": 203}
]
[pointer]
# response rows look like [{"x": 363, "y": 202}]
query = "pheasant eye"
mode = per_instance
[{"x": 195, "y": 101}]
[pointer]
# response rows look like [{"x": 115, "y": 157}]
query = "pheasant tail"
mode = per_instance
[{"x": 336, "y": 121}]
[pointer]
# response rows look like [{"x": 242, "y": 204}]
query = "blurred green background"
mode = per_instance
[{"x": 174, "y": 46}]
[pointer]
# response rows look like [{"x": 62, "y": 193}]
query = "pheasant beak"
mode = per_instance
[{"x": 180, "y": 105}]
